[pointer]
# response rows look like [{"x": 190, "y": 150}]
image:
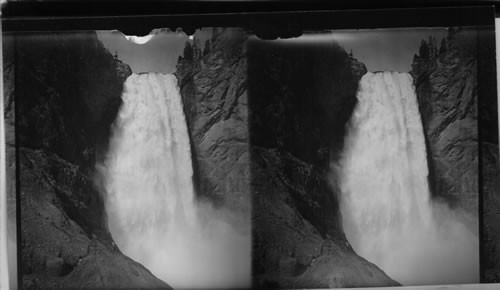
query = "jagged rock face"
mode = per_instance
[
  {"x": 490, "y": 159},
  {"x": 10, "y": 155},
  {"x": 214, "y": 91},
  {"x": 447, "y": 90},
  {"x": 9, "y": 117},
  {"x": 300, "y": 99},
  {"x": 304, "y": 95},
  {"x": 68, "y": 90},
  {"x": 62, "y": 247},
  {"x": 490, "y": 257},
  {"x": 292, "y": 246}
]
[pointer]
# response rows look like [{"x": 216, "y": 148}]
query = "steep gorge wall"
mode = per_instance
[
  {"x": 458, "y": 102},
  {"x": 446, "y": 82},
  {"x": 213, "y": 86},
  {"x": 67, "y": 89},
  {"x": 300, "y": 99},
  {"x": 265, "y": 124}
]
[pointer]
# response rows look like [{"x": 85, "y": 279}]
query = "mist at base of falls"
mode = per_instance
[
  {"x": 388, "y": 215},
  {"x": 153, "y": 214}
]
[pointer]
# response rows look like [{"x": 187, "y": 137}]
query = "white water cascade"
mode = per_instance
[
  {"x": 153, "y": 215},
  {"x": 388, "y": 215}
]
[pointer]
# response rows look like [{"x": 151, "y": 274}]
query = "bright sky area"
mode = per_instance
[{"x": 378, "y": 49}]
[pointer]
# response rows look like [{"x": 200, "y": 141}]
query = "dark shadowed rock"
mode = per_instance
[
  {"x": 447, "y": 90},
  {"x": 456, "y": 90},
  {"x": 68, "y": 91},
  {"x": 300, "y": 99},
  {"x": 296, "y": 241},
  {"x": 214, "y": 91},
  {"x": 491, "y": 212},
  {"x": 70, "y": 94},
  {"x": 490, "y": 162}
]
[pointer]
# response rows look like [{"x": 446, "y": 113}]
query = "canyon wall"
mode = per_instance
[
  {"x": 213, "y": 85},
  {"x": 456, "y": 87},
  {"x": 300, "y": 98},
  {"x": 446, "y": 81},
  {"x": 67, "y": 90}
]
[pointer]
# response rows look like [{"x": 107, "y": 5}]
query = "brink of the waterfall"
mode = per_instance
[
  {"x": 389, "y": 217},
  {"x": 152, "y": 211}
]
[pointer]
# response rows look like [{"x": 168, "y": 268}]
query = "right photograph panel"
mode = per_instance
[{"x": 365, "y": 157}]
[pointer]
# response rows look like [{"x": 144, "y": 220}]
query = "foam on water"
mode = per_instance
[
  {"x": 388, "y": 215},
  {"x": 153, "y": 214}
]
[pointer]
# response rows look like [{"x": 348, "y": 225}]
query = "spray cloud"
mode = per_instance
[
  {"x": 388, "y": 215},
  {"x": 153, "y": 214}
]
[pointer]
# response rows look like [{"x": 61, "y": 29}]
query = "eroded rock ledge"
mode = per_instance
[{"x": 67, "y": 91}]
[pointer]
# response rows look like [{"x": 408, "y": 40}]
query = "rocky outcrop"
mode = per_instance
[
  {"x": 10, "y": 155},
  {"x": 213, "y": 86},
  {"x": 68, "y": 90},
  {"x": 298, "y": 240},
  {"x": 490, "y": 258},
  {"x": 300, "y": 99},
  {"x": 63, "y": 245},
  {"x": 490, "y": 159},
  {"x": 447, "y": 89},
  {"x": 304, "y": 95},
  {"x": 458, "y": 103}
]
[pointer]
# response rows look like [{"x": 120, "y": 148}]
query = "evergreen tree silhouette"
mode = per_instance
[
  {"x": 424, "y": 50},
  {"x": 188, "y": 51}
]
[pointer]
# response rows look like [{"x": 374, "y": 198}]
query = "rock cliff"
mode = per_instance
[
  {"x": 446, "y": 82},
  {"x": 67, "y": 91},
  {"x": 300, "y": 99},
  {"x": 458, "y": 103},
  {"x": 213, "y": 86},
  {"x": 490, "y": 160},
  {"x": 10, "y": 155}
]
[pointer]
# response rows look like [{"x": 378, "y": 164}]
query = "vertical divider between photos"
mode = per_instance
[
  {"x": 4, "y": 270},
  {"x": 487, "y": 84},
  {"x": 15, "y": 43}
]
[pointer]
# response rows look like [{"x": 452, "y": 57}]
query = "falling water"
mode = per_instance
[
  {"x": 152, "y": 212},
  {"x": 388, "y": 215}
]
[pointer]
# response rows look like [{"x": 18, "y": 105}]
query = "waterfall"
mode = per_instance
[
  {"x": 153, "y": 215},
  {"x": 388, "y": 215}
]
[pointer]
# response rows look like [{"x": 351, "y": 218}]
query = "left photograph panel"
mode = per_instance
[{"x": 133, "y": 160}]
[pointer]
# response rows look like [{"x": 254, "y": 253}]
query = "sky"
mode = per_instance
[
  {"x": 159, "y": 54},
  {"x": 387, "y": 49},
  {"x": 378, "y": 49}
]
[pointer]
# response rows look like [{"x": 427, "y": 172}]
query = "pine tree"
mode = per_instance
[
  {"x": 188, "y": 51},
  {"x": 432, "y": 46},
  {"x": 442, "y": 49},
  {"x": 206, "y": 49},
  {"x": 424, "y": 50},
  {"x": 196, "y": 48}
]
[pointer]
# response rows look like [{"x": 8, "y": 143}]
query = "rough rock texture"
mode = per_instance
[
  {"x": 68, "y": 91},
  {"x": 490, "y": 159},
  {"x": 300, "y": 98},
  {"x": 456, "y": 85},
  {"x": 69, "y": 96},
  {"x": 10, "y": 155},
  {"x": 214, "y": 91},
  {"x": 490, "y": 258},
  {"x": 446, "y": 82},
  {"x": 61, "y": 248}
]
